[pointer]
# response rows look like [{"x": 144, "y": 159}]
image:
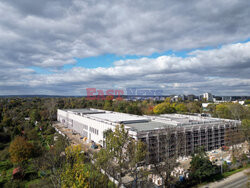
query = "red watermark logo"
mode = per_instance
[
  {"x": 110, "y": 94},
  {"x": 100, "y": 94}
]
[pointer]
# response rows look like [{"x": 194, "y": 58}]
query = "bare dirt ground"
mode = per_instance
[{"x": 75, "y": 139}]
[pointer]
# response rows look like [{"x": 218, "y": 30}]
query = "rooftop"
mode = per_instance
[
  {"x": 146, "y": 123},
  {"x": 85, "y": 111},
  {"x": 120, "y": 117},
  {"x": 147, "y": 126}
]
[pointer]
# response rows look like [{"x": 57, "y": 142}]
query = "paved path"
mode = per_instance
[{"x": 238, "y": 180}]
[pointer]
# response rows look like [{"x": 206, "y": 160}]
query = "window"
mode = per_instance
[{"x": 93, "y": 130}]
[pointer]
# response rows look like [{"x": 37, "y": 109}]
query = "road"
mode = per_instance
[{"x": 238, "y": 180}]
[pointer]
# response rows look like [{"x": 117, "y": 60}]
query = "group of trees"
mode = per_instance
[
  {"x": 25, "y": 135},
  {"x": 177, "y": 107},
  {"x": 229, "y": 111},
  {"x": 28, "y": 141},
  {"x": 201, "y": 168},
  {"x": 131, "y": 107}
]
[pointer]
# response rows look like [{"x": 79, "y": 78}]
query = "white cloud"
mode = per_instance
[
  {"x": 50, "y": 34},
  {"x": 217, "y": 71}
]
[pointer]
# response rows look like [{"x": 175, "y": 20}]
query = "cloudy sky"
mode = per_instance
[{"x": 62, "y": 47}]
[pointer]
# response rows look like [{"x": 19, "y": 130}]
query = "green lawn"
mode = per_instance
[
  {"x": 219, "y": 177},
  {"x": 226, "y": 174}
]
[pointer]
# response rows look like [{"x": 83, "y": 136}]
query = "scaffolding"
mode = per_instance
[{"x": 185, "y": 140}]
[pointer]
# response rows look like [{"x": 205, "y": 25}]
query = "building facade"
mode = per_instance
[{"x": 166, "y": 135}]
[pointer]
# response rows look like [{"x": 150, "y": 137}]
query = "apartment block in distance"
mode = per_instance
[{"x": 166, "y": 135}]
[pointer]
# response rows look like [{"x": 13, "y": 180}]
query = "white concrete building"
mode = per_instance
[
  {"x": 165, "y": 135},
  {"x": 91, "y": 123}
]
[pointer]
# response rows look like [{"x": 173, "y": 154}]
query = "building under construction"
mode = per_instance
[
  {"x": 166, "y": 135},
  {"x": 187, "y": 133}
]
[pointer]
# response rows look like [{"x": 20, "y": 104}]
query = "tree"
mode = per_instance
[
  {"x": 201, "y": 167},
  {"x": 246, "y": 129},
  {"x": 103, "y": 157},
  {"x": 108, "y": 103},
  {"x": 121, "y": 153},
  {"x": 194, "y": 107},
  {"x": 247, "y": 101},
  {"x": 137, "y": 151},
  {"x": 236, "y": 110},
  {"x": 223, "y": 111},
  {"x": 181, "y": 108},
  {"x": 121, "y": 106},
  {"x": 164, "y": 107},
  {"x": 31, "y": 134},
  {"x": 116, "y": 144},
  {"x": 73, "y": 174},
  {"x": 7, "y": 121},
  {"x": 234, "y": 136},
  {"x": 167, "y": 100},
  {"x": 212, "y": 109},
  {"x": 20, "y": 150},
  {"x": 53, "y": 161},
  {"x": 34, "y": 116}
]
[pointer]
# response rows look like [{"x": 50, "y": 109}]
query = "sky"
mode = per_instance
[{"x": 62, "y": 47}]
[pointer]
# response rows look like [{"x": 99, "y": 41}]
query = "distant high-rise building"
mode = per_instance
[
  {"x": 190, "y": 97},
  {"x": 227, "y": 98},
  {"x": 177, "y": 98},
  {"x": 208, "y": 97}
]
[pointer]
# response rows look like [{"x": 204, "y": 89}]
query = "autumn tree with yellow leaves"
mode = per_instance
[{"x": 74, "y": 174}]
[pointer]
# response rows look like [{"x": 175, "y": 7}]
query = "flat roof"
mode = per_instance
[
  {"x": 85, "y": 111},
  {"x": 119, "y": 117},
  {"x": 148, "y": 126},
  {"x": 146, "y": 123}
]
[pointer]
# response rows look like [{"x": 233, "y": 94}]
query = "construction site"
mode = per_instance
[
  {"x": 188, "y": 133},
  {"x": 167, "y": 135}
]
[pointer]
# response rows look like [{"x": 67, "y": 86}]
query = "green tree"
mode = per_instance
[
  {"x": 31, "y": 134},
  {"x": 194, "y": 107},
  {"x": 167, "y": 100},
  {"x": 20, "y": 150},
  {"x": 212, "y": 109},
  {"x": 7, "y": 121},
  {"x": 35, "y": 116},
  {"x": 225, "y": 166},
  {"x": 236, "y": 110},
  {"x": 246, "y": 129},
  {"x": 137, "y": 151},
  {"x": 121, "y": 153},
  {"x": 107, "y": 105},
  {"x": 222, "y": 111},
  {"x": 201, "y": 167},
  {"x": 247, "y": 101},
  {"x": 53, "y": 161},
  {"x": 164, "y": 108},
  {"x": 181, "y": 107}
]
